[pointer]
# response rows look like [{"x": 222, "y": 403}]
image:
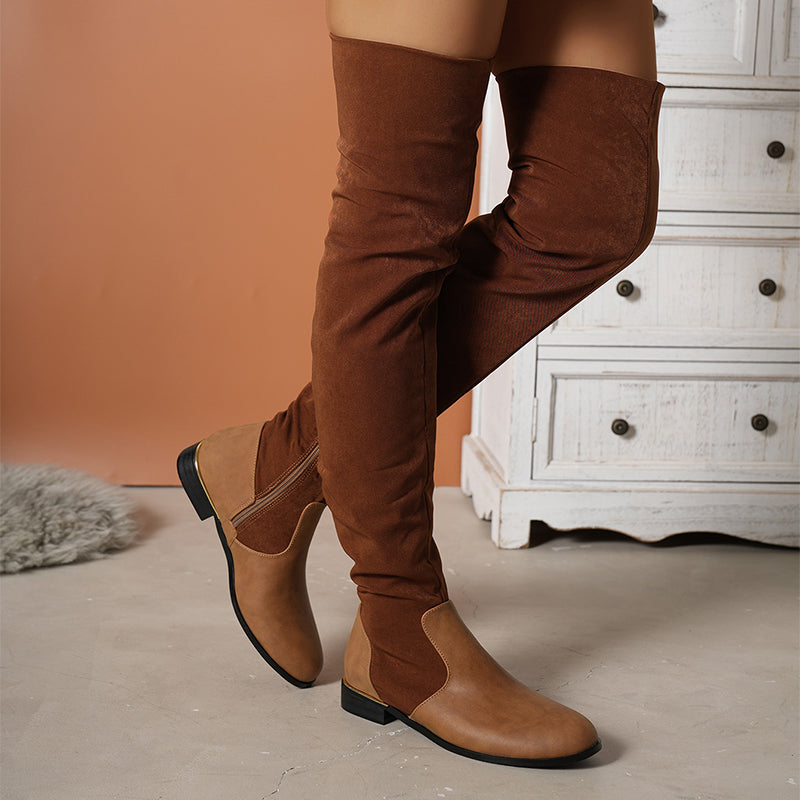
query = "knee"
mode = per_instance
[
  {"x": 584, "y": 161},
  {"x": 592, "y": 218}
]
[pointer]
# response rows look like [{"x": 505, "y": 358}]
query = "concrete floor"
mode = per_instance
[{"x": 129, "y": 677}]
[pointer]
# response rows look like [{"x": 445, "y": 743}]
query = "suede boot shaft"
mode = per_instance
[
  {"x": 582, "y": 205},
  {"x": 408, "y": 122}
]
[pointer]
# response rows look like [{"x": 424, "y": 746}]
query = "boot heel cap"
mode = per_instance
[
  {"x": 192, "y": 485},
  {"x": 356, "y": 703}
]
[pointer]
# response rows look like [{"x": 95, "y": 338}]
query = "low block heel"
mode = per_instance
[
  {"x": 192, "y": 485},
  {"x": 356, "y": 703}
]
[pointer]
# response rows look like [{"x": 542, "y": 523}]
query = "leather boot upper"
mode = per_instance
[{"x": 479, "y": 706}]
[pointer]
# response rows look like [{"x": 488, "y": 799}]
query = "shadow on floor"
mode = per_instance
[{"x": 542, "y": 533}]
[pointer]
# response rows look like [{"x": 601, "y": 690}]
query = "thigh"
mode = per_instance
[
  {"x": 616, "y": 35},
  {"x": 460, "y": 28}
]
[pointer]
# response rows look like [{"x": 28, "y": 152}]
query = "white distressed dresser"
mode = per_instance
[{"x": 668, "y": 401}]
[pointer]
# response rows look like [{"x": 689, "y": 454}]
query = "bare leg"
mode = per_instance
[
  {"x": 615, "y": 35},
  {"x": 459, "y": 28}
]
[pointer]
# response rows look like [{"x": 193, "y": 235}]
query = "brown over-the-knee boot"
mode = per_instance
[{"x": 407, "y": 142}]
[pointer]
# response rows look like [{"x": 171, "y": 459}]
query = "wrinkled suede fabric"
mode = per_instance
[
  {"x": 581, "y": 206},
  {"x": 407, "y": 122}
]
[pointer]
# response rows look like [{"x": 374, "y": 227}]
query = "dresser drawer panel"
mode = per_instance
[
  {"x": 714, "y": 38},
  {"x": 607, "y": 424},
  {"x": 715, "y": 154},
  {"x": 785, "y": 55},
  {"x": 702, "y": 294}
]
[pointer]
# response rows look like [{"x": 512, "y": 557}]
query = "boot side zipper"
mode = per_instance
[{"x": 273, "y": 494}]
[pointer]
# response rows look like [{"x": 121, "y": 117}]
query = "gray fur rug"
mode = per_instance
[{"x": 50, "y": 515}]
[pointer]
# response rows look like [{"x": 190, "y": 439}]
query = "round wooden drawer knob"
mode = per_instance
[
  {"x": 625, "y": 288},
  {"x": 775, "y": 149},
  {"x": 767, "y": 287},
  {"x": 656, "y": 12},
  {"x": 759, "y": 422},
  {"x": 620, "y": 427}
]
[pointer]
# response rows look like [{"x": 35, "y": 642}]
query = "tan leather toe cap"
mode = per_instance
[{"x": 484, "y": 709}]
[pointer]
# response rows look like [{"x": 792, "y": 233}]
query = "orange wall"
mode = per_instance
[{"x": 166, "y": 177}]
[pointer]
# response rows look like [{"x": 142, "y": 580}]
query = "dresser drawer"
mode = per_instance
[
  {"x": 689, "y": 293},
  {"x": 639, "y": 421},
  {"x": 710, "y": 38},
  {"x": 729, "y": 150}
]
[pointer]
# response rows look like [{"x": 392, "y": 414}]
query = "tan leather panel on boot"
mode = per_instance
[
  {"x": 357, "y": 657},
  {"x": 482, "y": 708},
  {"x": 229, "y": 489},
  {"x": 273, "y": 600}
]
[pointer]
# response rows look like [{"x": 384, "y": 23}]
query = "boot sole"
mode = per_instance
[
  {"x": 362, "y": 706},
  {"x": 195, "y": 491}
]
